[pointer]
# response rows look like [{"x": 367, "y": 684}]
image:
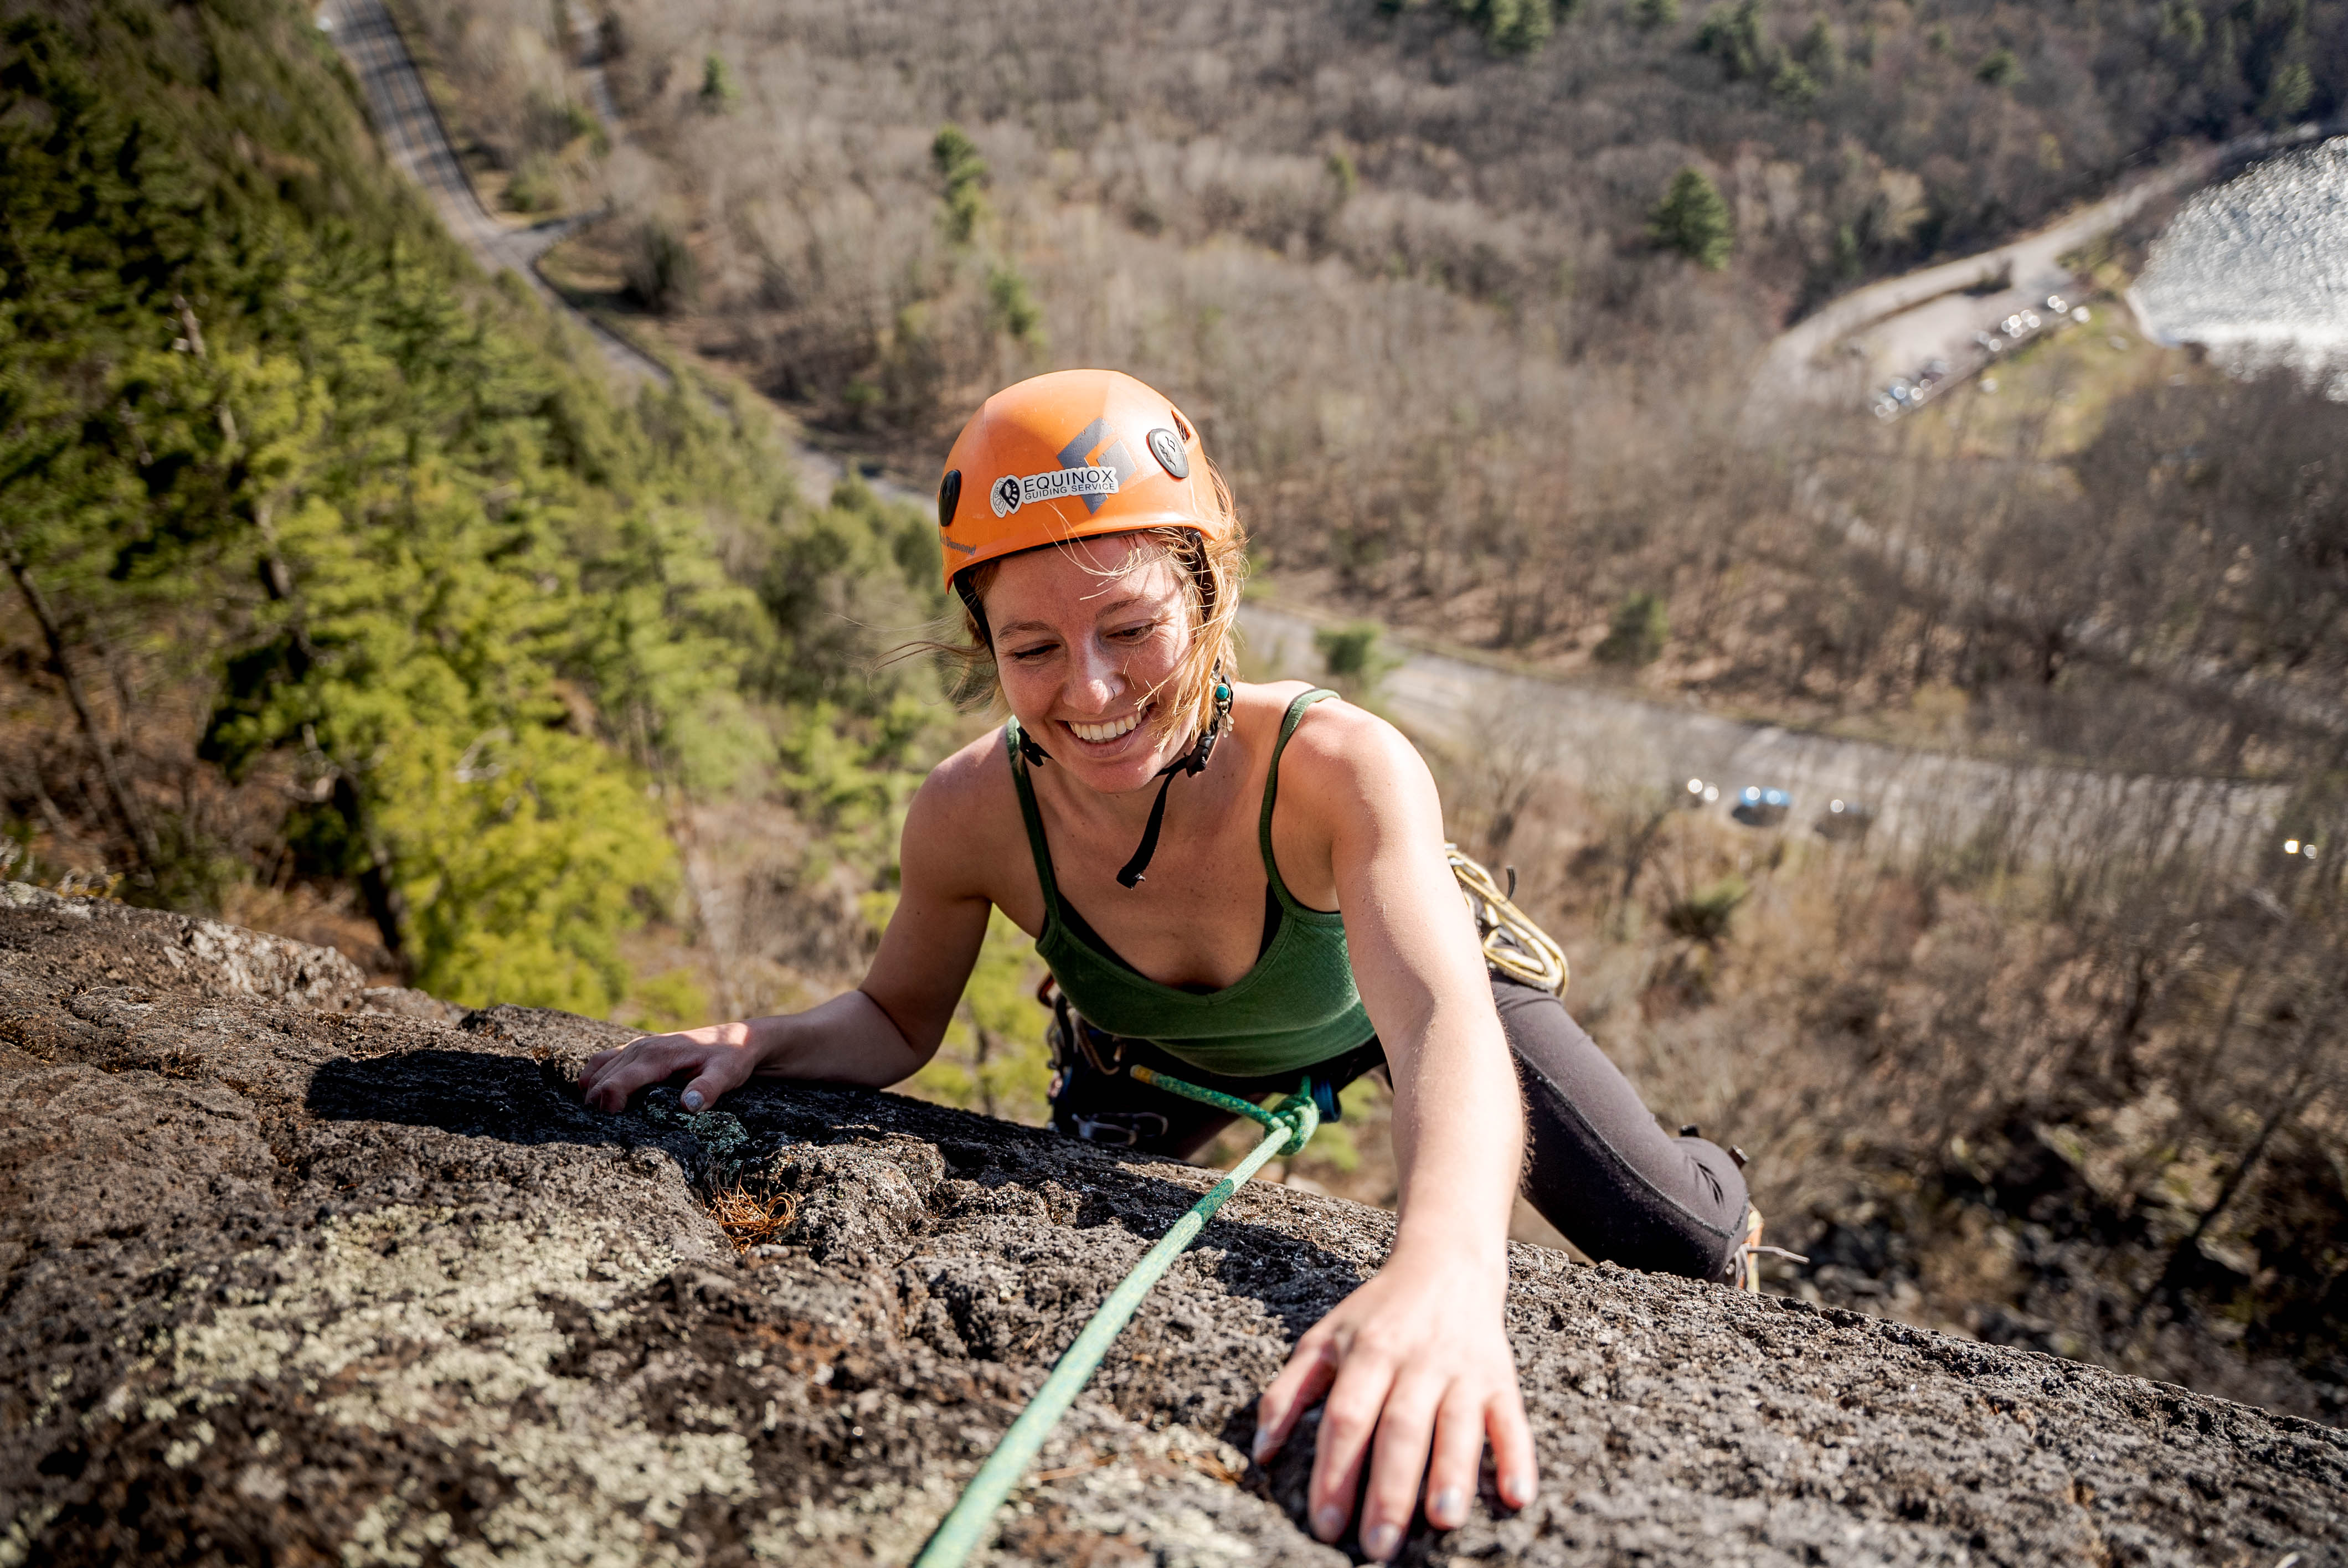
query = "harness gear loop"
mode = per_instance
[
  {"x": 1512, "y": 944},
  {"x": 1287, "y": 1128}
]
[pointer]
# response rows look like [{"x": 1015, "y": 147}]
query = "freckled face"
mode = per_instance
[{"x": 1080, "y": 645}]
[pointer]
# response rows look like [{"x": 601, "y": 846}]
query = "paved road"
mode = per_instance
[
  {"x": 415, "y": 141},
  {"x": 1595, "y": 739},
  {"x": 1607, "y": 743}
]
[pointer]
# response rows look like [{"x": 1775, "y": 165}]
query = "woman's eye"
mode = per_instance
[
  {"x": 1029, "y": 655},
  {"x": 1134, "y": 633}
]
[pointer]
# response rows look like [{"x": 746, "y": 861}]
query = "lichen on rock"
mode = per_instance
[{"x": 290, "y": 1278}]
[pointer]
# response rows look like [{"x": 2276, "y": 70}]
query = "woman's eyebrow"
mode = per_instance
[{"x": 1008, "y": 627}]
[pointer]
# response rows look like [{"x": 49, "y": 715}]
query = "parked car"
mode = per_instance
[
  {"x": 1844, "y": 819},
  {"x": 1757, "y": 806},
  {"x": 2056, "y": 304},
  {"x": 1700, "y": 794}
]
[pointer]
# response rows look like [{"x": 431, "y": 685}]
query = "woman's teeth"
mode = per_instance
[{"x": 1108, "y": 731}]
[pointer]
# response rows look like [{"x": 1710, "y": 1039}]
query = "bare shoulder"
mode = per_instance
[
  {"x": 1341, "y": 753},
  {"x": 965, "y": 812},
  {"x": 978, "y": 772}
]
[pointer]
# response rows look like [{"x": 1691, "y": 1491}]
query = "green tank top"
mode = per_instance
[{"x": 1297, "y": 1006}]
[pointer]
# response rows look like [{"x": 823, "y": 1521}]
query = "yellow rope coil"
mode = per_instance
[{"x": 1512, "y": 943}]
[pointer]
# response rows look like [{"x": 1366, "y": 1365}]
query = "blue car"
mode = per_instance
[{"x": 1758, "y": 807}]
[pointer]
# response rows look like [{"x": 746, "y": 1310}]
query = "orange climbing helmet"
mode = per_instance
[{"x": 1071, "y": 456}]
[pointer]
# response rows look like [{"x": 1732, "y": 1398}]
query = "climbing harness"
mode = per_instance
[
  {"x": 1289, "y": 1126},
  {"x": 1513, "y": 944}
]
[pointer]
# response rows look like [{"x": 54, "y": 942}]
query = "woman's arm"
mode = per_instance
[
  {"x": 878, "y": 1034},
  {"x": 1417, "y": 1370}
]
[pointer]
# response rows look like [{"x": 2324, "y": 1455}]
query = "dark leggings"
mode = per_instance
[{"x": 1602, "y": 1171}]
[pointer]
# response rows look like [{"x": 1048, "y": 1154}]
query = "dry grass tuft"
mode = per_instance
[{"x": 750, "y": 1219}]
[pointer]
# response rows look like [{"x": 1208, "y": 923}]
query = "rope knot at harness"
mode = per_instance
[{"x": 1288, "y": 1127}]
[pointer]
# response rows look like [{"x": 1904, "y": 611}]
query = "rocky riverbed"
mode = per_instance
[{"x": 297, "y": 1273}]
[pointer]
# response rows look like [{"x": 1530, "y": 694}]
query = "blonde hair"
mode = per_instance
[{"x": 1212, "y": 573}]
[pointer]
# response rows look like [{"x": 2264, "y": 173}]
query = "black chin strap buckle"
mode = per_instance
[{"x": 1192, "y": 761}]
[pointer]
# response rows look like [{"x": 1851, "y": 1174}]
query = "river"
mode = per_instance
[{"x": 2256, "y": 269}]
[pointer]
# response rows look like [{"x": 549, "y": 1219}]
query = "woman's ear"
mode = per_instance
[{"x": 977, "y": 611}]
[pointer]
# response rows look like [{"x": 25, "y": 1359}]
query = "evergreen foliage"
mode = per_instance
[
  {"x": 1637, "y": 634},
  {"x": 1735, "y": 36},
  {"x": 718, "y": 94},
  {"x": 264, "y": 431},
  {"x": 1511, "y": 26},
  {"x": 1999, "y": 68},
  {"x": 1693, "y": 220},
  {"x": 957, "y": 162}
]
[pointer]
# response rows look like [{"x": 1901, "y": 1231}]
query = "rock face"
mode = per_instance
[{"x": 291, "y": 1280}]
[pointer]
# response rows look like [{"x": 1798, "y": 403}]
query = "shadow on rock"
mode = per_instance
[{"x": 477, "y": 1093}]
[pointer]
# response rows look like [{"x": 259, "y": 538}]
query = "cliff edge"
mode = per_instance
[{"x": 298, "y": 1273}]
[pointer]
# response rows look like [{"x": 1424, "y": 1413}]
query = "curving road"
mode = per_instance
[
  {"x": 417, "y": 143},
  {"x": 1595, "y": 739},
  {"x": 1855, "y": 343},
  {"x": 1618, "y": 747}
]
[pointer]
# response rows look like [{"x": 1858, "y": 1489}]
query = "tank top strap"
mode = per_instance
[
  {"x": 1295, "y": 716},
  {"x": 1034, "y": 819}
]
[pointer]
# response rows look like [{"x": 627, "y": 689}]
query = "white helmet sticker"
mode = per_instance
[{"x": 1009, "y": 494}]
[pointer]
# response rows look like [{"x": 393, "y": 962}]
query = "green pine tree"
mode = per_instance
[
  {"x": 955, "y": 158},
  {"x": 278, "y": 443},
  {"x": 1693, "y": 220}
]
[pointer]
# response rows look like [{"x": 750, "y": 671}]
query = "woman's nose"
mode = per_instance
[{"x": 1099, "y": 676}]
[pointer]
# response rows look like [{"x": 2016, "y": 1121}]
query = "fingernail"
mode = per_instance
[
  {"x": 1328, "y": 1522},
  {"x": 1516, "y": 1492},
  {"x": 1380, "y": 1539},
  {"x": 1262, "y": 1448},
  {"x": 1449, "y": 1509},
  {"x": 693, "y": 1101}
]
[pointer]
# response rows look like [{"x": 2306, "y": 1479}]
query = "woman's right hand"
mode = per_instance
[{"x": 720, "y": 1055}]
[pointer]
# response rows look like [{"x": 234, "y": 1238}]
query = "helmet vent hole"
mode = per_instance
[
  {"x": 949, "y": 492},
  {"x": 1178, "y": 424}
]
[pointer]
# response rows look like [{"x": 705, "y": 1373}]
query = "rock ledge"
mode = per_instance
[{"x": 294, "y": 1280}]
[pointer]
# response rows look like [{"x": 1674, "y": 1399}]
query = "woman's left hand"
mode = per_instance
[{"x": 1416, "y": 1360}]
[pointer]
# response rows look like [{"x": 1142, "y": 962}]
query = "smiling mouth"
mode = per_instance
[{"x": 1098, "y": 733}]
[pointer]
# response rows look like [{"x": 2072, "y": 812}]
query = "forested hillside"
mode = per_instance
[
  {"x": 1471, "y": 324},
  {"x": 339, "y": 579}
]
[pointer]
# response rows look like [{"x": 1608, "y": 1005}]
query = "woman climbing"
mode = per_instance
[{"x": 1237, "y": 884}]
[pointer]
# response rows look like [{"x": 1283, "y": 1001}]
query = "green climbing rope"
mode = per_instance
[{"x": 1288, "y": 1129}]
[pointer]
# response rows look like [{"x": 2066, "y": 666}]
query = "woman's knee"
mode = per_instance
[{"x": 1600, "y": 1168}]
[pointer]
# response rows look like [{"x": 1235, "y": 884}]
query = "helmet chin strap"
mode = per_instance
[{"x": 1193, "y": 761}]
